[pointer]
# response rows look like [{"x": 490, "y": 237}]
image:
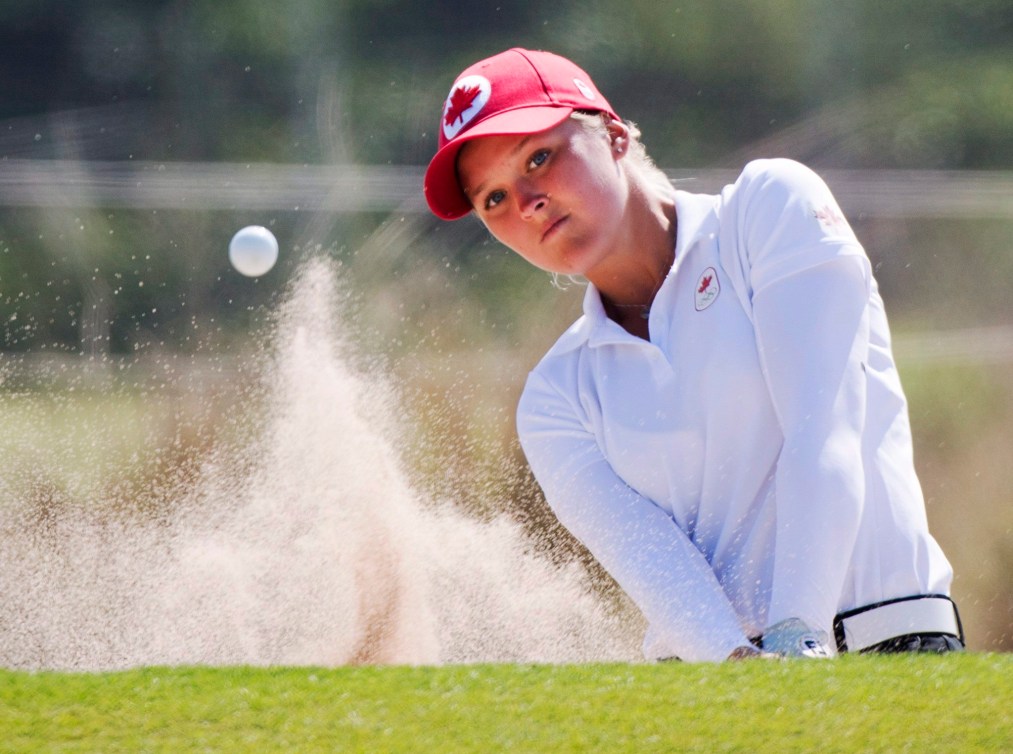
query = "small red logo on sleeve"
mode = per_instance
[{"x": 830, "y": 218}]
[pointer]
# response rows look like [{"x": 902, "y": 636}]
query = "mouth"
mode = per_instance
[{"x": 553, "y": 226}]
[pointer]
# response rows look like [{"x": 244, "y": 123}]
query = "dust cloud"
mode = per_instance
[{"x": 301, "y": 544}]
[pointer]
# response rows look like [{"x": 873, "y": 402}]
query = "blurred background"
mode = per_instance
[{"x": 137, "y": 137}]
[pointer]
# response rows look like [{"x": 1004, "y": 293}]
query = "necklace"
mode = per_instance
[{"x": 645, "y": 309}]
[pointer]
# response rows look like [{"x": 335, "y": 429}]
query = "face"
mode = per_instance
[{"x": 557, "y": 198}]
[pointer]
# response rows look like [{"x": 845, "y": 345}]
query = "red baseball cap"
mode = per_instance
[{"x": 515, "y": 92}]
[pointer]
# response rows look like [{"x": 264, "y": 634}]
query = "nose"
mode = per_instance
[{"x": 532, "y": 202}]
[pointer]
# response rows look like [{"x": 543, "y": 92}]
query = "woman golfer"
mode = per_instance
[{"x": 723, "y": 428}]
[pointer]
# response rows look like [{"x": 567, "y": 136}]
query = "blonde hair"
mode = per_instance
[{"x": 597, "y": 122}]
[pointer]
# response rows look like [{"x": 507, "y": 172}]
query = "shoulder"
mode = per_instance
[
  {"x": 773, "y": 166},
  {"x": 555, "y": 373},
  {"x": 778, "y": 179},
  {"x": 778, "y": 176},
  {"x": 776, "y": 193},
  {"x": 572, "y": 340},
  {"x": 778, "y": 218}
]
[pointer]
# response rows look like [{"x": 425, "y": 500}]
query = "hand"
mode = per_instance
[
  {"x": 748, "y": 652},
  {"x": 793, "y": 638}
]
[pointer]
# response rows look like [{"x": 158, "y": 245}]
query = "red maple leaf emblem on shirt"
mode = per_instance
[
  {"x": 827, "y": 216},
  {"x": 705, "y": 283},
  {"x": 460, "y": 100}
]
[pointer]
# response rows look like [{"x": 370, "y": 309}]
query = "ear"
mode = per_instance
[{"x": 619, "y": 137}]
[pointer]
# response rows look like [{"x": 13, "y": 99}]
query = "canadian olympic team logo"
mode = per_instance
[
  {"x": 707, "y": 289},
  {"x": 465, "y": 101}
]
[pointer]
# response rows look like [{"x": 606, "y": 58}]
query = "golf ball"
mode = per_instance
[{"x": 253, "y": 250}]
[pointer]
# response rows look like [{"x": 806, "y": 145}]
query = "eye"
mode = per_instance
[
  {"x": 494, "y": 198},
  {"x": 538, "y": 158}
]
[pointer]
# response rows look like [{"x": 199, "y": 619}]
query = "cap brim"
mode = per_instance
[{"x": 442, "y": 190}]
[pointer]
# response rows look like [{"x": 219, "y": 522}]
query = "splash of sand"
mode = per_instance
[{"x": 303, "y": 544}]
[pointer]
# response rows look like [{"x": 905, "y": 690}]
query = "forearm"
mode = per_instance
[
  {"x": 660, "y": 569},
  {"x": 637, "y": 542}
]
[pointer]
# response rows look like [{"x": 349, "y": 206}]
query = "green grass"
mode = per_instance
[{"x": 855, "y": 704}]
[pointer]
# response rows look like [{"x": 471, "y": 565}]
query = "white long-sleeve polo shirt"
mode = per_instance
[{"x": 752, "y": 461}]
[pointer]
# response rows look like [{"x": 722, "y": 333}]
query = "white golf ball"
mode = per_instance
[{"x": 253, "y": 250}]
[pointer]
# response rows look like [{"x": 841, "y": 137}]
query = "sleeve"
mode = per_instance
[
  {"x": 810, "y": 288},
  {"x": 637, "y": 542}
]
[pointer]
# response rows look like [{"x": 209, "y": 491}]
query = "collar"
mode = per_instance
[{"x": 594, "y": 328}]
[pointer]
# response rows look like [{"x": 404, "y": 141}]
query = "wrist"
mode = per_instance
[{"x": 750, "y": 652}]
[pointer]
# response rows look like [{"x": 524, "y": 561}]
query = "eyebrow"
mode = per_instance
[{"x": 480, "y": 187}]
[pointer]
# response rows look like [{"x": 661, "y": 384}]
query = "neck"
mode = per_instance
[{"x": 643, "y": 257}]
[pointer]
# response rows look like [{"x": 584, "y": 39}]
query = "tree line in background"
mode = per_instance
[{"x": 910, "y": 84}]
